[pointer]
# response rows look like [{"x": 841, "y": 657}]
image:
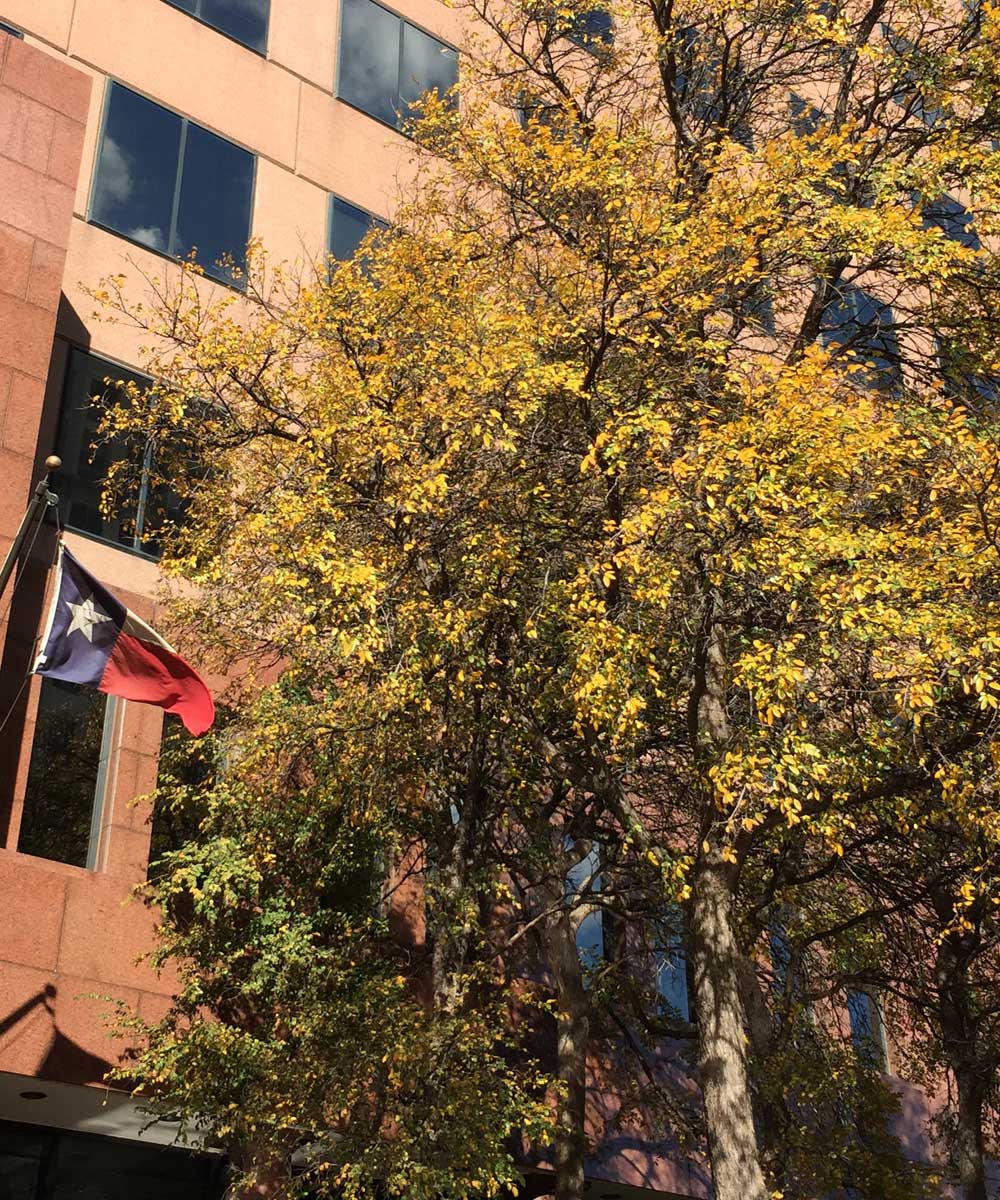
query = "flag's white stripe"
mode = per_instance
[
  {"x": 137, "y": 627},
  {"x": 40, "y": 660}
]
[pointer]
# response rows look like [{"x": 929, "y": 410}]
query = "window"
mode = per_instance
[
  {"x": 591, "y": 29},
  {"x": 865, "y": 327},
  {"x": 67, "y": 774},
  {"x": 141, "y": 515},
  {"x": 954, "y": 221},
  {"x": 386, "y": 63},
  {"x": 710, "y": 94},
  {"x": 183, "y": 763},
  {"x": 5, "y": 28},
  {"x": 582, "y": 882},
  {"x": 670, "y": 964},
  {"x": 867, "y": 1030},
  {"x": 243, "y": 20},
  {"x": 911, "y": 66},
  {"x": 168, "y": 184},
  {"x": 806, "y": 117},
  {"x": 780, "y": 949},
  {"x": 41, "y": 1163},
  {"x": 348, "y": 225}
]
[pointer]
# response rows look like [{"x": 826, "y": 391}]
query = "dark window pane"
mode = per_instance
[
  {"x": 93, "y": 1168},
  {"x": 670, "y": 963},
  {"x": 953, "y": 220},
  {"x": 62, "y": 777},
  {"x": 18, "y": 1177},
  {"x": 864, "y": 326},
  {"x": 348, "y": 225},
  {"x": 183, "y": 764},
  {"x": 244, "y": 20},
  {"x": 594, "y": 28},
  {"x": 426, "y": 64},
  {"x": 216, "y": 193},
  {"x": 5, "y": 28},
  {"x": 137, "y": 169},
  {"x": 369, "y": 59},
  {"x": 85, "y": 468},
  {"x": 866, "y": 1030},
  {"x": 806, "y": 117}
]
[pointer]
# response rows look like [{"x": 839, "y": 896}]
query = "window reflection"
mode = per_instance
[
  {"x": 582, "y": 883},
  {"x": 214, "y": 210},
  {"x": 38, "y": 1163},
  {"x": 146, "y": 151},
  {"x": 867, "y": 1030},
  {"x": 591, "y": 29},
  {"x": 62, "y": 786},
  {"x": 369, "y": 59},
  {"x": 348, "y": 226},
  {"x": 670, "y": 963},
  {"x": 427, "y": 64},
  {"x": 92, "y": 384},
  {"x": 137, "y": 169},
  {"x": 864, "y": 326},
  {"x": 243, "y": 20},
  {"x": 386, "y": 63},
  {"x": 954, "y": 221}
]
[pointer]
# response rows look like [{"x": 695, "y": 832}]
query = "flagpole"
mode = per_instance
[{"x": 41, "y": 498}]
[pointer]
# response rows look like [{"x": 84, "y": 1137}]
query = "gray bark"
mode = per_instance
[
  {"x": 725, "y": 1084},
  {"x": 954, "y": 1003},
  {"x": 572, "y": 1036}
]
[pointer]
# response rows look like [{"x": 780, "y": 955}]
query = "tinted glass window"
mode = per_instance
[
  {"x": 369, "y": 59},
  {"x": 426, "y": 64},
  {"x": 137, "y": 170},
  {"x": 63, "y": 775},
  {"x": 670, "y": 963},
  {"x": 386, "y": 63},
  {"x": 866, "y": 1030},
  {"x": 213, "y": 216},
  {"x": 5, "y": 28},
  {"x": 594, "y": 28},
  {"x": 582, "y": 881},
  {"x": 953, "y": 220},
  {"x": 348, "y": 225},
  {"x": 243, "y": 20},
  {"x": 170, "y": 185},
  {"x": 52, "y": 1164},
  {"x": 92, "y": 384},
  {"x": 865, "y": 326},
  {"x": 183, "y": 763}
]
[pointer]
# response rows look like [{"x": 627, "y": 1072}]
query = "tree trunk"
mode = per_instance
[
  {"x": 959, "y": 1044},
  {"x": 449, "y": 925},
  {"x": 572, "y": 1035},
  {"x": 725, "y": 1084},
  {"x": 969, "y": 1141}
]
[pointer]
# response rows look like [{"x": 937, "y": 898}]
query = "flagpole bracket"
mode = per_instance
[{"x": 41, "y": 498}]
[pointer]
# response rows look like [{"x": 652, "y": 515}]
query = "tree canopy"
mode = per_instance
[{"x": 630, "y": 503}]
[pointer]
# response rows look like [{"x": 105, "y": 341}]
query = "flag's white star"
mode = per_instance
[{"x": 85, "y": 617}]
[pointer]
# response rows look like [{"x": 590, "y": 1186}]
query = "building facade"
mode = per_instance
[{"x": 131, "y": 133}]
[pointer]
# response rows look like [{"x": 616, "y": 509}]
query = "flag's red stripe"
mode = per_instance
[{"x": 139, "y": 670}]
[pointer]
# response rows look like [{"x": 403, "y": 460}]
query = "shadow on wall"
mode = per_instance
[{"x": 63, "y": 1059}]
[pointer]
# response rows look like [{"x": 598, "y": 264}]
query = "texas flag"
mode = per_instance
[{"x": 93, "y": 639}]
